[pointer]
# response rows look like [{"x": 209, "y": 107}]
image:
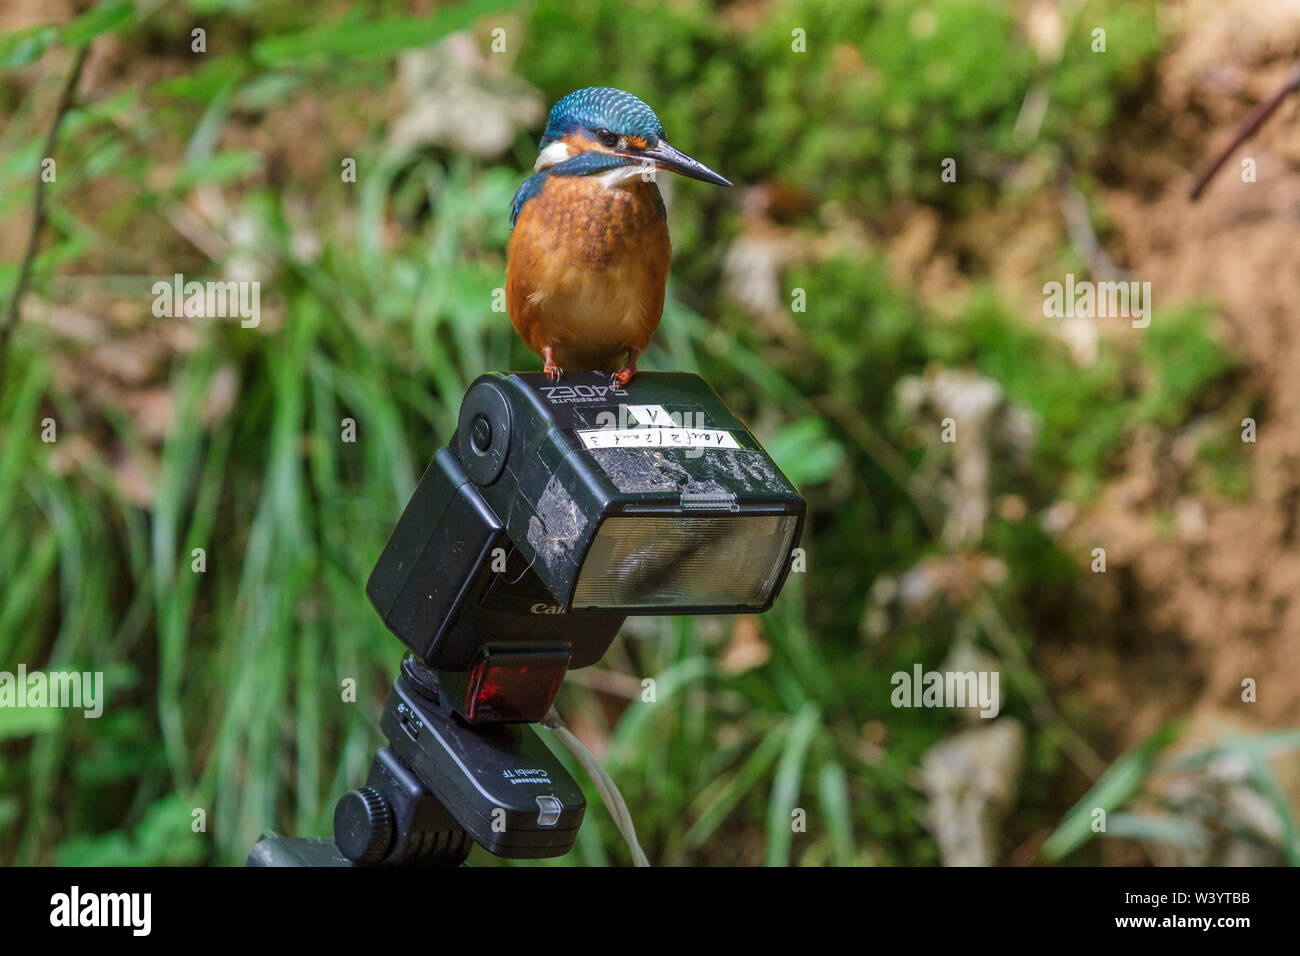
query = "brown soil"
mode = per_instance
[{"x": 1226, "y": 580}]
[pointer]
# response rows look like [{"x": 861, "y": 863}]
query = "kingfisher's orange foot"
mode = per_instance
[
  {"x": 552, "y": 370},
  {"x": 624, "y": 375}
]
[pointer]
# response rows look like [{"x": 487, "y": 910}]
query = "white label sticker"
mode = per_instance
[
  {"x": 653, "y": 416},
  {"x": 657, "y": 438}
]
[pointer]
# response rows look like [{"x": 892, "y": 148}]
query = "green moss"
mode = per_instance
[{"x": 1184, "y": 361}]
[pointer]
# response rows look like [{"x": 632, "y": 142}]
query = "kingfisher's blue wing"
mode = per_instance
[
  {"x": 530, "y": 188},
  {"x": 584, "y": 164}
]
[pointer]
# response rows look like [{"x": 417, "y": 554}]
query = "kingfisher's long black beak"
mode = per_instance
[{"x": 667, "y": 156}]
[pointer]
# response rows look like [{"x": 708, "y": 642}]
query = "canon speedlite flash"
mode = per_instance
[{"x": 557, "y": 510}]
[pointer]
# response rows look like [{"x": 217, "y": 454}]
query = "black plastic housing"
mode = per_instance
[
  {"x": 491, "y": 545},
  {"x": 488, "y": 776},
  {"x": 552, "y": 492},
  {"x": 436, "y": 588}
]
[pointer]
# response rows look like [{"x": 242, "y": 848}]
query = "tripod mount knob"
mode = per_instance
[{"x": 363, "y": 826}]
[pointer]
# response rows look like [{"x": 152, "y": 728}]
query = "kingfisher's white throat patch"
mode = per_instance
[
  {"x": 557, "y": 152},
  {"x": 622, "y": 174}
]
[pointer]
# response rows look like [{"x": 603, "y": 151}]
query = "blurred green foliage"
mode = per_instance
[
  {"x": 225, "y": 685},
  {"x": 892, "y": 89}
]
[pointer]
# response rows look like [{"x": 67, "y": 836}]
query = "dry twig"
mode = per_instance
[
  {"x": 11, "y": 312},
  {"x": 1249, "y": 127}
]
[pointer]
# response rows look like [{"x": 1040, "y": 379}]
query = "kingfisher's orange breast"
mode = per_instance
[{"x": 586, "y": 269}]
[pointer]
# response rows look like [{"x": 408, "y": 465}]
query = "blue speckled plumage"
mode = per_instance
[{"x": 598, "y": 106}]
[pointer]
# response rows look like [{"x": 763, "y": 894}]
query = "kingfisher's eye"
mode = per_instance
[{"x": 606, "y": 138}]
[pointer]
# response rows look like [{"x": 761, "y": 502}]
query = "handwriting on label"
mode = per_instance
[
  {"x": 657, "y": 438},
  {"x": 654, "y": 416}
]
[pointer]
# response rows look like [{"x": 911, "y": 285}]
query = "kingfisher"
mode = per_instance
[{"x": 587, "y": 263}]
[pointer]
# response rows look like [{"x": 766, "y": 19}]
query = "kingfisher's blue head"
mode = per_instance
[{"x": 620, "y": 126}]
